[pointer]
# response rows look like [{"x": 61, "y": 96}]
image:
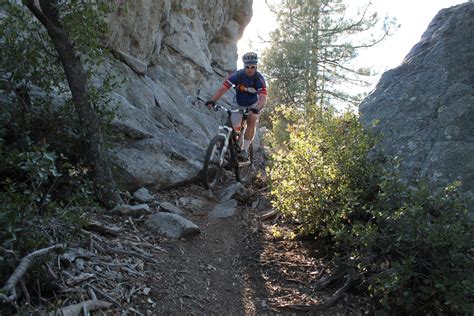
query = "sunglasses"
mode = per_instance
[{"x": 250, "y": 67}]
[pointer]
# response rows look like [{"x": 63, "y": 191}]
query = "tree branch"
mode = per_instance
[
  {"x": 89, "y": 306},
  {"x": 328, "y": 303}
]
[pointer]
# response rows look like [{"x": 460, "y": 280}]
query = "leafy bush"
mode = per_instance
[
  {"x": 35, "y": 184},
  {"x": 322, "y": 175},
  {"x": 411, "y": 247},
  {"x": 419, "y": 250},
  {"x": 43, "y": 171}
]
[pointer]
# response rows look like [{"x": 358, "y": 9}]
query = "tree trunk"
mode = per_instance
[{"x": 48, "y": 15}]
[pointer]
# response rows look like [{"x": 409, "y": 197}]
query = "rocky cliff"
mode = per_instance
[
  {"x": 425, "y": 107},
  {"x": 166, "y": 51}
]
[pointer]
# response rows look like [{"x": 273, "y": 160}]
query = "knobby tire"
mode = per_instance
[{"x": 212, "y": 170}]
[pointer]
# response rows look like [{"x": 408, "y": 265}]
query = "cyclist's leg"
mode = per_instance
[
  {"x": 252, "y": 122},
  {"x": 236, "y": 119}
]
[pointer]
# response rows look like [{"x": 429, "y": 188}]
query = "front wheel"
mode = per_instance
[
  {"x": 243, "y": 170},
  {"x": 212, "y": 165}
]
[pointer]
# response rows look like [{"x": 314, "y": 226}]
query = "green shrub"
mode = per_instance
[
  {"x": 420, "y": 251},
  {"x": 322, "y": 175},
  {"x": 410, "y": 246},
  {"x": 35, "y": 185},
  {"x": 43, "y": 171}
]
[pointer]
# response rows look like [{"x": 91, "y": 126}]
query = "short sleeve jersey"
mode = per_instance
[{"x": 256, "y": 81}]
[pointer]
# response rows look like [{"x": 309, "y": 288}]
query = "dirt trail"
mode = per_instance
[
  {"x": 237, "y": 267},
  {"x": 206, "y": 274}
]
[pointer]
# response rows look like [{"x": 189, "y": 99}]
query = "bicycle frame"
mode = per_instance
[
  {"x": 223, "y": 150},
  {"x": 232, "y": 136}
]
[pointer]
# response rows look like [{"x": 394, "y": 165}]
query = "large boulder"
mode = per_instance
[
  {"x": 425, "y": 107},
  {"x": 165, "y": 51}
]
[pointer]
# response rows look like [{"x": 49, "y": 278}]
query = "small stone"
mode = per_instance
[
  {"x": 143, "y": 196},
  {"x": 171, "y": 208},
  {"x": 131, "y": 210},
  {"x": 208, "y": 194}
]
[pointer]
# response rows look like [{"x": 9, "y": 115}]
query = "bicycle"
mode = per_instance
[{"x": 222, "y": 152}]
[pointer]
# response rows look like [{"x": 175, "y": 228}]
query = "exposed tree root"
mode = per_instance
[{"x": 25, "y": 263}]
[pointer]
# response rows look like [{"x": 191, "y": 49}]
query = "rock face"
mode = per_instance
[
  {"x": 166, "y": 51},
  {"x": 425, "y": 107}
]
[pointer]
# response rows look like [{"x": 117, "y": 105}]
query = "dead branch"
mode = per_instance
[
  {"x": 24, "y": 265},
  {"x": 25, "y": 291},
  {"x": 92, "y": 294},
  {"x": 326, "y": 280},
  {"x": 132, "y": 223},
  {"x": 105, "y": 295},
  {"x": 328, "y": 303},
  {"x": 270, "y": 215},
  {"x": 51, "y": 272},
  {"x": 144, "y": 244},
  {"x": 89, "y": 306},
  {"x": 80, "y": 278},
  {"x": 8, "y": 252},
  {"x": 100, "y": 228},
  {"x": 108, "y": 249}
]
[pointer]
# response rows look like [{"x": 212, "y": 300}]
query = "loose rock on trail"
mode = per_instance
[{"x": 193, "y": 251}]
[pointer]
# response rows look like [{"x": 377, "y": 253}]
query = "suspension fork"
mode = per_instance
[{"x": 225, "y": 131}]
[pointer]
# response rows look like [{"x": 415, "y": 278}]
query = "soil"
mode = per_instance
[{"x": 237, "y": 266}]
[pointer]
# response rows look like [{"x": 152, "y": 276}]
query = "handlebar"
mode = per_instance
[{"x": 230, "y": 111}]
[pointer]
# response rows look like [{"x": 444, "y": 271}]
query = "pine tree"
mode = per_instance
[{"x": 308, "y": 60}]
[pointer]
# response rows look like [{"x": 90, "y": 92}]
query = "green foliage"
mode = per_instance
[
  {"x": 323, "y": 168},
  {"x": 418, "y": 256},
  {"x": 281, "y": 119},
  {"x": 87, "y": 27},
  {"x": 28, "y": 60},
  {"x": 410, "y": 246},
  {"x": 36, "y": 183},
  {"x": 309, "y": 58},
  {"x": 43, "y": 171},
  {"x": 26, "y": 55}
]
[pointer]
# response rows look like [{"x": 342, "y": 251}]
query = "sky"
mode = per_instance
[{"x": 413, "y": 16}]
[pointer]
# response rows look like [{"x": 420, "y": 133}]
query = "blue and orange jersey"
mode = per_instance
[{"x": 256, "y": 81}]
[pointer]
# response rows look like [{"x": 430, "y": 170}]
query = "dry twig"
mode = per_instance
[
  {"x": 88, "y": 306},
  {"x": 328, "y": 303},
  {"x": 270, "y": 215},
  {"x": 105, "y": 295}
]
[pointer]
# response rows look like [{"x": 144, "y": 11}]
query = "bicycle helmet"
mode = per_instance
[{"x": 250, "y": 58}]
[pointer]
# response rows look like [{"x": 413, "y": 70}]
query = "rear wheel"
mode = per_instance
[
  {"x": 243, "y": 170},
  {"x": 212, "y": 167}
]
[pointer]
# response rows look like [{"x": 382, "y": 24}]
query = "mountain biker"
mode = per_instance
[{"x": 251, "y": 92}]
